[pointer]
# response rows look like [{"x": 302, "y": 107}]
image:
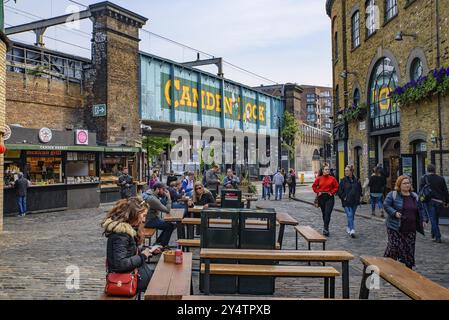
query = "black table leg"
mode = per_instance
[
  {"x": 332, "y": 293},
  {"x": 326, "y": 288},
  {"x": 296, "y": 233},
  {"x": 281, "y": 235},
  {"x": 364, "y": 291},
  {"x": 207, "y": 276},
  {"x": 345, "y": 279}
]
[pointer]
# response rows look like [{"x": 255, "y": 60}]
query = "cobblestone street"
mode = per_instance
[{"x": 36, "y": 250}]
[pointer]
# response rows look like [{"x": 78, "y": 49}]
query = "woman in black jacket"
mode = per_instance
[
  {"x": 349, "y": 192},
  {"x": 377, "y": 184},
  {"x": 123, "y": 228},
  {"x": 202, "y": 197}
]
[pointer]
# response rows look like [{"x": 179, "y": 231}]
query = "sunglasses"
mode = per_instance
[{"x": 199, "y": 188}]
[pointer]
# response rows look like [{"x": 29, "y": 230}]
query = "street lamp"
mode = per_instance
[{"x": 400, "y": 35}]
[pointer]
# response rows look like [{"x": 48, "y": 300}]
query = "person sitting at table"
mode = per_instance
[
  {"x": 176, "y": 194},
  {"x": 159, "y": 200},
  {"x": 231, "y": 181},
  {"x": 187, "y": 184},
  {"x": 202, "y": 197}
]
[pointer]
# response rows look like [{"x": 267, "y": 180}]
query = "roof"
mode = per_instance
[{"x": 329, "y": 4}]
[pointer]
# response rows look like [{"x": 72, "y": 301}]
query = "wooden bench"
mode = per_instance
[
  {"x": 148, "y": 233},
  {"x": 171, "y": 281},
  {"x": 310, "y": 235},
  {"x": 328, "y": 273},
  {"x": 195, "y": 243},
  {"x": 342, "y": 257},
  {"x": 409, "y": 282},
  {"x": 284, "y": 219}
]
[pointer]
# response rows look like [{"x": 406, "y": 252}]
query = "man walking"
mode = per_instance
[
  {"x": 212, "y": 180},
  {"x": 278, "y": 180},
  {"x": 21, "y": 186},
  {"x": 125, "y": 182},
  {"x": 439, "y": 197}
]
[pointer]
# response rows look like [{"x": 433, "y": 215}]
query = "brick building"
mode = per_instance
[
  {"x": 3, "y": 48},
  {"x": 377, "y": 46},
  {"x": 316, "y": 106}
]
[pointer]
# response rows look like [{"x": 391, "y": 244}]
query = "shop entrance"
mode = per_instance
[{"x": 389, "y": 153}]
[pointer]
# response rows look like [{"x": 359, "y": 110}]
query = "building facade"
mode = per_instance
[
  {"x": 380, "y": 50},
  {"x": 3, "y": 48},
  {"x": 316, "y": 103}
]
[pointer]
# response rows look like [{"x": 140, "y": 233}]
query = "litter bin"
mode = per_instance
[
  {"x": 301, "y": 177},
  {"x": 220, "y": 236},
  {"x": 257, "y": 236}
]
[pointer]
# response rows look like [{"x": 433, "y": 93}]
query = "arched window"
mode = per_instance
[
  {"x": 383, "y": 81},
  {"x": 356, "y": 100},
  {"x": 416, "y": 69},
  {"x": 355, "y": 29}
]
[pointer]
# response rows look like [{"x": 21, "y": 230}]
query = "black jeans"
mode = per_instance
[
  {"x": 145, "y": 274},
  {"x": 291, "y": 189},
  {"x": 166, "y": 227},
  {"x": 326, "y": 205}
]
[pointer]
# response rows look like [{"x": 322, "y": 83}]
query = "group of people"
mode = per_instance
[
  {"x": 280, "y": 179},
  {"x": 406, "y": 211}
]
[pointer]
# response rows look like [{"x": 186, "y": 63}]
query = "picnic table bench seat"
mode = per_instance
[
  {"x": 411, "y": 283},
  {"x": 310, "y": 235}
]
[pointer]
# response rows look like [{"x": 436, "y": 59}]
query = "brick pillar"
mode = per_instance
[
  {"x": 3, "y": 47},
  {"x": 114, "y": 78}
]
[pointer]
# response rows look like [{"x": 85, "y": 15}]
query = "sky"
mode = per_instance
[{"x": 281, "y": 40}]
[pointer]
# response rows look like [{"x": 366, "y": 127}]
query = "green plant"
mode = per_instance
[
  {"x": 289, "y": 132},
  {"x": 38, "y": 70},
  {"x": 355, "y": 112},
  {"x": 155, "y": 146}
]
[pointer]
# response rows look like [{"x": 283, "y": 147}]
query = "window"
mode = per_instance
[
  {"x": 336, "y": 46},
  {"x": 383, "y": 112},
  {"x": 356, "y": 97},
  {"x": 355, "y": 29},
  {"x": 416, "y": 70},
  {"x": 391, "y": 9},
  {"x": 372, "y": 15}
]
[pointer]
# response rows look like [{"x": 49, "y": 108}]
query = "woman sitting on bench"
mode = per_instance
[
  {"x": 202, "y": 197},
  {"x": 123, "y": 228}
]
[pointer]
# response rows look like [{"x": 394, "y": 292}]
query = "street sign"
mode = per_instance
[{"x": 99, "y": 110}]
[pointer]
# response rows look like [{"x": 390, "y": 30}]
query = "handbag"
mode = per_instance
[
  {"x": 316, "y": 203},
  {"x": 121, "y": 284}
]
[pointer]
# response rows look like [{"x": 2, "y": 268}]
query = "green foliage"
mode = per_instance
[
  {"x": 289, "y": 132},
  {"x": 355, "y": 112},
  {"x": 38, "y": 70},
  {"x": 155, "y": 145}
]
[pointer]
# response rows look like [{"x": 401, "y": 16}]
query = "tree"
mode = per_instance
[
  {"x": 155, "y": 146},
  {"x": 289, "y": 131}
]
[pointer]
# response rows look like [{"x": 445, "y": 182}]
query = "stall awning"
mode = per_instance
[{"x": 50, "y": 147}]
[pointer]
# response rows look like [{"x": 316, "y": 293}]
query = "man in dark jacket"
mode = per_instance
[
  {"x": 439, "y": 198},
  {"x": 212, "y": 180},
  {"x": 125, "y": 182},
  {"x": 159, "y": 200},
  {"x": 171, "y": 177},
  {"x": 21, "y": 186}
]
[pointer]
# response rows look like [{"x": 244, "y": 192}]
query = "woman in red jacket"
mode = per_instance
[{"x": 326, "y": 186}]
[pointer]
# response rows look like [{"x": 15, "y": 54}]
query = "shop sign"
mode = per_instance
[
  {"x": 53, "y": 147},
  {"x": 45, "y": 135},
  {"x": 99, "y": 110},
  {"x": 7, "y": 133},
  {"x": 82, "y": 137},
  {"x": 43, "y": 153},
  {"x": 362, "y": 125},
  {"x": 372, "y": 154}
]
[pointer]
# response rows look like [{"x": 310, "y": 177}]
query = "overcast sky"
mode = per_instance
[{"x": 282, "y": 40}]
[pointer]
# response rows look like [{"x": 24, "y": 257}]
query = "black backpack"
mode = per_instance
[{"x": 425, "y": 194}]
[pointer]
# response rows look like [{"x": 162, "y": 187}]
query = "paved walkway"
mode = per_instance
[{"x": 36, "y": 250}]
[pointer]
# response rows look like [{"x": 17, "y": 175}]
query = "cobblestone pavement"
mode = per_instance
[{"x": 36, "y": 250}]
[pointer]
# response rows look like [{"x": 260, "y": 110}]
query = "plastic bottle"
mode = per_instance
[{"x": 178, "y": 256}]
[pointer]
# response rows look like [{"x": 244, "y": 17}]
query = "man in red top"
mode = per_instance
[{"x": 326, "y": 186}]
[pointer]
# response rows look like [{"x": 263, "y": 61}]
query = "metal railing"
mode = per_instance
[{"x": 21, "y": 59}]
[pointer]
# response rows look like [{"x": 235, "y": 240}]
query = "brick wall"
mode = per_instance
[
  {"x": 35, "y": 102},
  {"x": 2, "y": 121},
  {"x": 419, "y": 17}
]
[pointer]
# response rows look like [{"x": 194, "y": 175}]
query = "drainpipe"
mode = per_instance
[{"x": 440, "y": 126}]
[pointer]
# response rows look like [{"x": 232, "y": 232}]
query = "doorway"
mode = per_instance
[{"x": 357, "y": 161}]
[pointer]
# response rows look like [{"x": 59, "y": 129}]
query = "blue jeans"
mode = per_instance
[
  {"x": 350, "y": 213},
  {"x": 266, "y": 192},
  {"x": 166, "y": 227},
  {"x": 378, "y": 201},
  {"x": 278, "y": 191},
  {"x": 22, "y": 203},
  {"x": 434, "y": 216}
]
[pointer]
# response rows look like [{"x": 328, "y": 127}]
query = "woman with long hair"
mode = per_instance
[
  {"x": 405, "y": 217},
  {"x": 202, "y": 197},
  {"x": 123, "y": 227},
  {"x": 326, "y": 186},
  {"x": 350, "y": 192}
]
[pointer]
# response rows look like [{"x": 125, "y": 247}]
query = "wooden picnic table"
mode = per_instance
[
  {"x": 171, "y": 281},
  {"x": 284, "y": 219},
  {"x": 286, "y": 255},
  {"x": 176, "y": 216},
  {"x": 411, "y": 283}
]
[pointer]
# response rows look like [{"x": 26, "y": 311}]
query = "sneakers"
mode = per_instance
[
  {"x": 348, "y": 231},
  {"x": 352, "y": 233},
  {"x": 373, "y": 213}
]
